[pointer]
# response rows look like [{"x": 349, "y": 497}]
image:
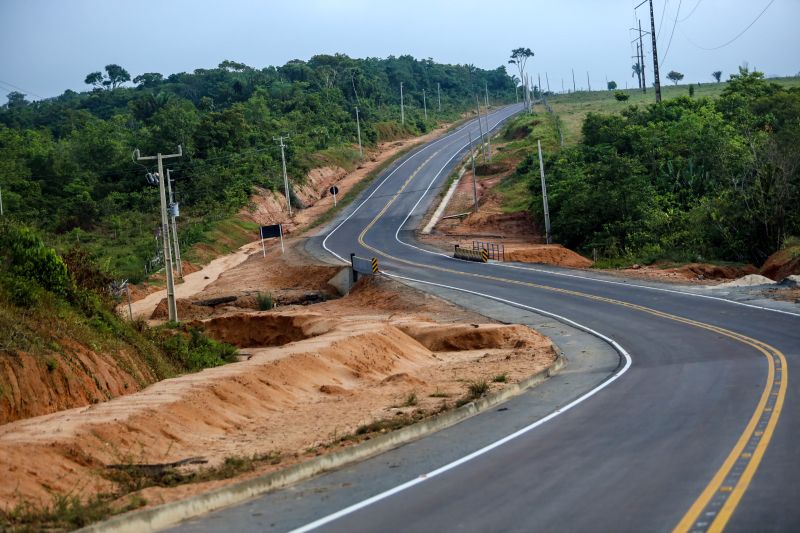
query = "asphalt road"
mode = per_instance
[{"x": 693, "y": 427}]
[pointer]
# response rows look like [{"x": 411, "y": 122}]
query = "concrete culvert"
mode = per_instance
[{"x": 253, "y": 330}]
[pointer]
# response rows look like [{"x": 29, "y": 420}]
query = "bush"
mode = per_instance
[
  {"x": 190, "y": 349},
  {"x": 621, "y": 96},
  {"x": 264, "y": 301}
]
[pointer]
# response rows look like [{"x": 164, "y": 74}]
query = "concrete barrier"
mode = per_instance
[{"x": 480, "y": 256}]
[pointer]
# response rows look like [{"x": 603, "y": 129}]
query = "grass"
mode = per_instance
[
  {"x": 264, "y": 301},
  {"x": 68, "y": 512},
  {"x": 410, "y": 400},
  {"x": 477, "y": 389},
  {"x": 573, "y": 108},
  {"x": 500, "y": 378},
  {"x": 223, "y": 238}
]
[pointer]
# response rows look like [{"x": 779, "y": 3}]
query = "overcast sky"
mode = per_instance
[{"x": 50, "y": 45}]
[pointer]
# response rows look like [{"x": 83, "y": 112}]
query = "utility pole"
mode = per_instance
[
  {"x": 544, "y": 197},
  {"x": 588, "y": 82},
  {"x": 539, "y": 76},
  {"x": 516, "y": 94},
  {"x": 424, "y": 104},
  {"x": 474, "y": 184},
  {"x": 486, "y": 92},
  {"x": 488, "y": 135},
  {"x": 285, "y": 176},
  {"x": 171, "y": 306},
  {"x": 358, "y": 128},
  {"x": 175, "y": 243},
  {"x": 641, "y": 55},
  {"x": 547, "y": 78},
  {"x": 402, "y": 109},
  {"x": 480, "y": 126},
  {"x": 574, "y": 87},
  {"x": 656, "y": 73},
  {"x": 1, "y": 202},
  {"x": 439, "y": 96}
]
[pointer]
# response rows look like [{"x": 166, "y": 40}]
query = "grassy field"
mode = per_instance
[{"x": 572, "y": 108}]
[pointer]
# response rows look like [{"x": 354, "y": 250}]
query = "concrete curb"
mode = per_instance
[{"x": 170, "y": 514}]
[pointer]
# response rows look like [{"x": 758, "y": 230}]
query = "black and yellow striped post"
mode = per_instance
[
  {"x": 485, "y": 255},
  {"x": 374, "y": 265}
]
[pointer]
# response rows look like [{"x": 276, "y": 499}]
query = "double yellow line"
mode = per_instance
[{"x": 714, "y": 507}]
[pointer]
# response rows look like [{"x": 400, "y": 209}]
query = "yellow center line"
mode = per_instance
[{"x": 716, "y": 520}]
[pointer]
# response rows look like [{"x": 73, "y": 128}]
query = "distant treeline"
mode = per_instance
[{"x": 66, "y": 165}]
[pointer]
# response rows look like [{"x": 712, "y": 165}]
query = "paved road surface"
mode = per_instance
[{"x": 690, "y": 424}]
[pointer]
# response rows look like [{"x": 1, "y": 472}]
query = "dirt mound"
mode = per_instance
[
  {"x": 500, "y": 224},
  {"x": 264, "y": 329},
  {"x": 706, "y": 271},
  {"x": 751, "y": 280},
  {"x": 552, "y": 254},
  {"x": 781, "y": 264},
  {"x": 438, "y": 338},
  {"x": 282, "y": 399}
]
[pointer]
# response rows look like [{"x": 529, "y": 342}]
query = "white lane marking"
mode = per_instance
[
  {"x": 447, "y": 137},
  {"x": 486, "y": 449}
]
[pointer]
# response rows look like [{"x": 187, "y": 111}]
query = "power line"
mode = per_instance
[
  {"x": 21, "y": 89},
  {"x": 671, "y": 35},
  {"x": 661, "y": 23},
  {"x": 736, "y": 37},
  {"x": 687, "y": 17}
]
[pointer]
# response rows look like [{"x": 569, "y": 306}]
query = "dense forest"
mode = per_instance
[
  {"x": 66, "y": 163},
  {"x": 687, "y": 180}
]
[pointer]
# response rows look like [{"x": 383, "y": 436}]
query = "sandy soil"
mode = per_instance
[{"x": 314, "y": 374}]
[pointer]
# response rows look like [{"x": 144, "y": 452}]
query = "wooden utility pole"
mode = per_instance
[{"x": 656, "y": 74}]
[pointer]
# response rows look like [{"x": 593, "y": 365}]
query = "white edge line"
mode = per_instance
[{"x": 441, "y": 470}]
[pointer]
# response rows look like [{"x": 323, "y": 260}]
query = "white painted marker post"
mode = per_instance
[{"x": 280, "y": 229}]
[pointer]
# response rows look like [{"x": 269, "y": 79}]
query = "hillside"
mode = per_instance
[{"x": 66, "y": 165}]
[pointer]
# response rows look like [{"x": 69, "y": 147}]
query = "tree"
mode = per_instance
[
  {"x": 16, "y": 99},
  {"x": 612, "y": 85},
  {"x": 519, "y": 57},
  {"x": 674, "y": 76},
  {"x": 148, "y": 79},
  {"x": 115, "y": 76},
  {"x": 717, "y": 74}
]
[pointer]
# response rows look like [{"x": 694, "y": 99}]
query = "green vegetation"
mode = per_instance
[
  {"x": 264, "y": 302},
  {"x": 46, "y": 297},
  {"x": 688, "y": 179},
  {"x": 500, "y": 378},
  {"x": 66, "y": 165}
]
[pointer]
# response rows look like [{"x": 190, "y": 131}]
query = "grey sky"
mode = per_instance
[{"x": 50, "y": 45}]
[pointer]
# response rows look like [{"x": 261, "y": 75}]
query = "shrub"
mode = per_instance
[
  {"x": 477, "y": 389},
  {"x": 621, "y": 96},
  {"x": 264, "y": 301}
]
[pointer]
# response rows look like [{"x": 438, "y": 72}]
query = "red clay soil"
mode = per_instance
[
  {"x": 782, "y": 264},
  {"x": 76, "y": 376}
]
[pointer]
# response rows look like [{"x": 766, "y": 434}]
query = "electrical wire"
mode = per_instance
[
  {"x": 687, "y": 17},
  {"x": 661, "y": 23},
  {"x": 21, "y": 89},
  {"x": 671, "y": 35},
  {"x": 737, "y": 35}
]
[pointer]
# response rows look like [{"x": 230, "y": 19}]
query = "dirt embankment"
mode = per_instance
[
  {"x": 74, "y": 376},
  {"x": 313, "y": 376}
]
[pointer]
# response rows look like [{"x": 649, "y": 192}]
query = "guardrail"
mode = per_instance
[
  {"x": 362, "y": 265},
  {"x": 480, "y": 256}
]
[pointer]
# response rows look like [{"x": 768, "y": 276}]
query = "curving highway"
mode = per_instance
[{"x": 694, "y": 427}]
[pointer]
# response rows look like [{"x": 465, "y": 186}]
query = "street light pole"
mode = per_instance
[
  {"x": 175, "y": 243},
  {"x": 548, "y": 233},
  {"x": 480, "y": 126},
  {"x": 439, "y": 96},
  {"x": 402, "y": 109},
  {"x": 474, "y": 184},
  {"x": 171, "y": 305},
  {"x": 424, "y": 104},
  {"x": 285, "y": 177},
  {"x": 358, "y": 127}
]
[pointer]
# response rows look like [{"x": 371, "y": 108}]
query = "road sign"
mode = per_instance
[{"x": 268, "y": 232}]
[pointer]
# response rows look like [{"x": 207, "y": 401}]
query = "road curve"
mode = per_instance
[{"x": 695, "y": 430}]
